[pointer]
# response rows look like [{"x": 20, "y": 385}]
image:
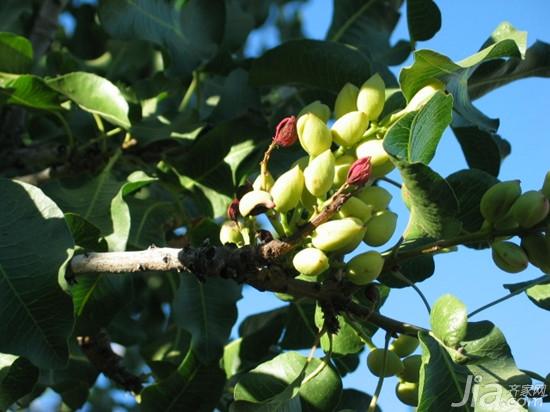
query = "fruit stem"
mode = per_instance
[{"x": 264, "y": 162}]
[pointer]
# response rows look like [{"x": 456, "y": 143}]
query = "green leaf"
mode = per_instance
[
  {"x": 28, "y": 91},
  {"x": 17, "y": 378},
  {"x": 300, "y": 331},
  {"x": 311, "y": 63},
  {"x": 414, "y": 270},
  {"x": 93, "y": 94},
  {"x": 442, "y": 382},
  {"x": 345, "y": 342},
  {"x": 433, "y": 204},
  {"x": 538, "y": 294},
  {"x": 239, "y": 22},
  {"x": 11, "y": 13},
  {"x": 193, "y": 387},
  {"x": 35, "y": 243},
  {"x": 423, "y": 19},
  {"x": 449, "y": 319},
  {"x": 493, "y": 365},
  {"x": 469, "y": 186},
  {"x": 189, "y": 34},
  {"x": 265, "y": 383},
  {"x": 356, "y": 401},
  {"x": 100, "y": 200},
  {"x": 98, "y": 298},
  {"x": 259, "y": 333},
  {"x": 85, "y": 235},
  {"x": 74, "y": 381},
  {"x": 497, "y": 73},
  {"x": 149, "y": 219},
  {"x": 15, "y": 53},
  {"x": 483, "y": 149},
  {"x": 369, "y": 27},
  {"x": 207, "y": 311},
  {"x": 429, "y": 65},
  {"x": 164, "y": 353},
  {"x": 415, "y": 137},
  {"x": 227, "y": 145}
]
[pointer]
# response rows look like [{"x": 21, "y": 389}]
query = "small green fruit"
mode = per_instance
[
  {"x": 254, "y": 202},
  {"x": 546, "y": 186},
  {"x": 310, "y": 261},
  {"x": 314, "y": 134},
  {"x": 530, "y": 208},
  {"x": 498, "y": 199},
  {"x": 407, "y": 392},
  {"x": 342, "y": 165},
  {"x": 404, "y": 345},
  {"x": 353, "y": 207},
  {"x": 380, "y": 228},
  {"x": 375, "y": 363},
  {"x": 319, "y": 175},
  {"x": 287, "y": 190},
  {"x": 371, "y": 97},
  {"x": 342, "y": 235},
  {"x": 424, "y": 95},
  {"x": 346, "y": 101},
  {"x": 537, "y": 248},
  {"x": 302, "y": 163},
  {"x": 263, "y": 182},
  {"x": 378, "y": 197},
  {"x": 509, "y": 257},
  {"x": 349, "y": 128},
  {"x": 231, "y": 233},
  {"x": 364, "y": 268},
  {"x": 380, "y": 160},
  {"x": 411, "y": 368},
  {"x": 322, "y": 111}
]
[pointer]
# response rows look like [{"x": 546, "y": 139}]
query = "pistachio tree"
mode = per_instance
[{"x": 151, "y": 169}]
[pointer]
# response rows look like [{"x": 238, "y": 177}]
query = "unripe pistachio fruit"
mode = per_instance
[
  {"x": 424, "y": 95},
  {"x": 364, "y": 268},
  {"x": 342, "y": 235},
  {"x": 310, "y": 261},
  {"x": 302, "y": 163},
  {"x": 263, "y": 182},
  {"x": 404, "y": 345},
  {"x": 411, "y": 368},
  {"x": 349, "y": 128},
  {"x": 378, "y": 197},
  {"x": 353, "y": 207},
  {"x": 509, "y": 257},
  {"x": 371, "y": 97},
  {"x": 346, "y": 101},
  {"x": 314, "y": 134},
  {"x": 341, "y": 167},
  {"x": 380, "y": 160},
  {"x": 231, "y": 233},
  {"x": 375, "y": 363},
  {"x": 407, "y": 392},
  {"x": 537, "y": 248},
  {"x": 380, "y": 228},
  {"x": 546, "y": 186},
  {"x": 319, "y": 175},
  {"x": 322, "y": 111},
  {"x": 530, "y": 208},
  {"x": 287, "y": 190},
  {"x": 255, "y": 202},
  {"x": 498, "y": 199}
]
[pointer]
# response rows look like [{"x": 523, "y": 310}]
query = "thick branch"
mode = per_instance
[
  {"x": 153, "y": 259},
  {"x": 98, "y": 350}
]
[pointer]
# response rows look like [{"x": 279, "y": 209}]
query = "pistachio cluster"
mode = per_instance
[
  {"x": 505, "y": 207},
  {"x": 342, "y": 159},
  {"x": 399, "y": 360}
]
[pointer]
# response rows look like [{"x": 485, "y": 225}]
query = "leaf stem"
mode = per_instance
[
  {"x": 533, "y": 282},
  {"x": 189, "y": 93}
]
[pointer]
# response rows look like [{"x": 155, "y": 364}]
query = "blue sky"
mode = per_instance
[{"x": 523, "y": 110}]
